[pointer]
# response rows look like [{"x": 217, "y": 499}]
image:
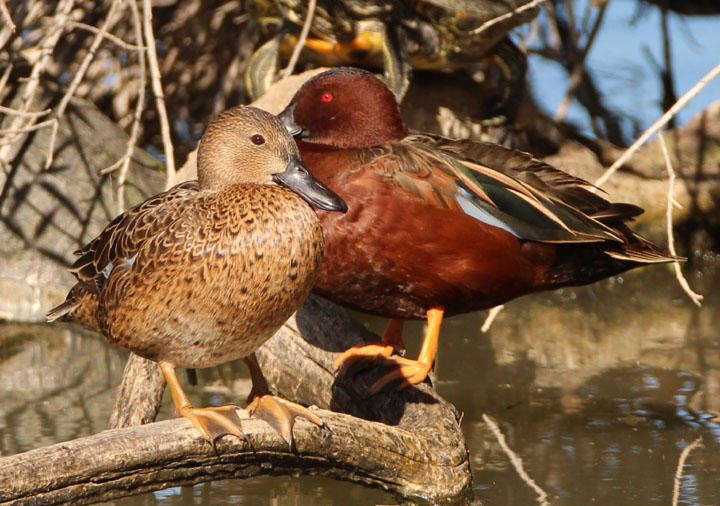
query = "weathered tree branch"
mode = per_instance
[{"x": 408, "y": 443}]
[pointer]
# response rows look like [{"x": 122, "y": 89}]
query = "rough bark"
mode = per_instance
[
  {"x": 139, "y": 395},
  {"x": 408, "y": 443}
]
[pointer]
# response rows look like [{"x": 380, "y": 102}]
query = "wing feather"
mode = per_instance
[{"x": 123, "y": 236}]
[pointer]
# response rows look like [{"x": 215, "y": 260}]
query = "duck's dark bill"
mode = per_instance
[
  {"x": 287, "y": 118},
  {"x": 299, "y": 179}
]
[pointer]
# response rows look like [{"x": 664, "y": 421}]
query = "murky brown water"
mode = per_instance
[{"x": 597, "y": 389}]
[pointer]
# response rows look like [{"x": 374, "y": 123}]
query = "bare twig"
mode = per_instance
[
  {"x": 47, "y": 46},
  {"x": 109, "y": 36},
  {"x": 301, "y": 41},
  {"x": 677, "y": 479},
  {"x": 491, "y": 318},
  {"x": 158, "y": 90},
  {"x": 695, "y": 297},
  {"x": 4, "y": 78},
  {"x": 659, "y": 124},
  {"x": 516, "y": 461},
  {"x": 24, "y": 129},
  {"x": 15, "y": 112},
  {"x": 124, "y": 162},
  {"x": 5, "y": 13},
  {"x": 576, "y": 75},
  {"x": 507, "y": 15},
  {"x": 78, "y": 77}
]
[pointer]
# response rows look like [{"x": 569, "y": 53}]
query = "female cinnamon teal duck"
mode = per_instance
[
  {"x": 207, "y": 271},
  {"x": 437, "y": 227}
]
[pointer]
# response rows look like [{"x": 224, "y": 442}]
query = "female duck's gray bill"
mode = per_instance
[
  {"x": 298, "y": 178},
  {"x": 288, "y": 119}
]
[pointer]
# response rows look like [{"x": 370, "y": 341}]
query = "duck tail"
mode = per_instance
[
  {"x": 638, "y": 250},
  {"x": 62, "y": 310},
  {"x": 80, "y": 306}
]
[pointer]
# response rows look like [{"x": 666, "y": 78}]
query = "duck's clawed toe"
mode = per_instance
[
  {"x": 405, "y": 372},
  {"x": 353, "y": 358},
  {"x": 216, "y": 422},
  {"x": 281, "y": 414}
]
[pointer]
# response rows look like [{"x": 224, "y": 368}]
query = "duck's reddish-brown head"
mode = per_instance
[{"x": 345, "y": 108}]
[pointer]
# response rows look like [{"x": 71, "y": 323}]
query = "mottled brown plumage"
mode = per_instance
[{"x": 207, "y": 271}]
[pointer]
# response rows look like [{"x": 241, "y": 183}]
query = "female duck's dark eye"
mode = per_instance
[
  {"x": 257, "y": 139},
  {"x": 326, "y": 97}
]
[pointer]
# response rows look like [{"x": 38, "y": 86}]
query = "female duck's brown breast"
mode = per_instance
[{"x": 239, "y": 265}]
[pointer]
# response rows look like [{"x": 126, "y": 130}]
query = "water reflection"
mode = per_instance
[{"x": 597, "y": 389}]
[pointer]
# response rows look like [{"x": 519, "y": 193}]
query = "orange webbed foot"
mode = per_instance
[
  {"x": 406, "y": 372},
  {"x": 215, "y": 422},
  {"x": 281, "y": 414},
  {"x": 391, "y": 340}
]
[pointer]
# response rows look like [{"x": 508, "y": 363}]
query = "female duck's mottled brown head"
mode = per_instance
[
  {"x": 248, "y": 145},
  {"x": 346, "y": 108}
]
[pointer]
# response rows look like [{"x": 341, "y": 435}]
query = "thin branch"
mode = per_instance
[
  {"x": 689, "y": 95},
  {"x": 5, "y": 77},
  {"x": 124, "y": 162},
  {"x": 695, "y": 297},
  {"x": 507, "y": 15},
  {"x": 516, "y": 461},
  {"x": 5, "y": 13},
  {"x": 677, "y": 479},
  {"x": 301, "y": 41},
  {"x": 56, "y": 30},
  {"x": 576, "y": 76},
  {"x": 25, "y": 129},
  {"x": 491, "y": 318},
  {"x": 15, "y": 112},
  {"x": 78, "y": 77},
  {"x": 158, "y": 90},
  {"x": 109, "y": 36}
]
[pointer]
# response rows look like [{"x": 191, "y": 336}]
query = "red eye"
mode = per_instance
[
  {"x": 326, "y": 97},
  {"x": 257, "y": 139}
]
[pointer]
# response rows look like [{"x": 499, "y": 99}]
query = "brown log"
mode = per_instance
[{"x": 408, "y": 443}]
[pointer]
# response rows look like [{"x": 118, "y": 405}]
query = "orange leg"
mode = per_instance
[
  {"x": 210, "y": 422},
  {"x": 276, "y": 411},
  {"x": 391, "y": 339},
  {"x": 410, "y": 372},
  {"x": 393, "y": 335}
]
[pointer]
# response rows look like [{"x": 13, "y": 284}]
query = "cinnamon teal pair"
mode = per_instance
[
  {"x": 437, "y": 227},
  {"x": 207, "y": 271}
]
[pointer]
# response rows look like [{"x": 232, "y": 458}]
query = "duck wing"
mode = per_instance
[
  {"x": 561, "y": 188},
  {"x": 122, "y": 237},
  {"x": 574, "y": 191},
  {"x": 448, "y": 178}
]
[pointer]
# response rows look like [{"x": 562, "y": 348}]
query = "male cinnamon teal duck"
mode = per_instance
[
  {"x": 392, "y": 35},
  {"x": 207, "y": 271},
  {"x": 437, "y": 227}
]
